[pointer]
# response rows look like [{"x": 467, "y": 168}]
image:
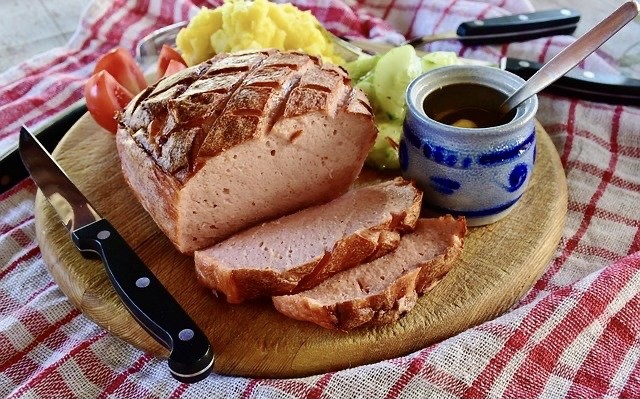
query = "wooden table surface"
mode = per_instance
[{"x": 52, "y": 22}]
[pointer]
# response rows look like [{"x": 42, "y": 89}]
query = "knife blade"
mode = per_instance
[
  {"x": 585, "y": 85},
  {"x": 12, "y": 170},
  {"x": 191, "y": 356},
  {"x": 512, "y": 28}
]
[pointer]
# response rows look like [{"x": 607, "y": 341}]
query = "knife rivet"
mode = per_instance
[
  {"x": 523, "y": 17},
  {"x": 185, "y": 334},
  {"x": 142, "y": 282},
  {"x": 104, "y": 234},
  {"x": 588, "y": 74},
  {"x": 564, "y": 11},
  {"x": 478, "y": 22},
  {"x": 523, "y": 64}
]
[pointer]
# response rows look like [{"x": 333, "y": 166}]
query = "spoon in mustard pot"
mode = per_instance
[{"x": 568, "y": 58}]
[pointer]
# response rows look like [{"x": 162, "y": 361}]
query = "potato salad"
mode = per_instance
[{"x": 253, "y": 25}]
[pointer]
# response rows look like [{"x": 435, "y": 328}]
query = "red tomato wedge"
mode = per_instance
[
  {"x": 121, "y": 66},
  {"x": 173, "y": 67},
  {"x": 105, "y": 97},
  {"x": 168, "y": 54}
]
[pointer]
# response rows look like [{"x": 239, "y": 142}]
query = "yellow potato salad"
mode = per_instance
[{"x": 252, "y": 25}]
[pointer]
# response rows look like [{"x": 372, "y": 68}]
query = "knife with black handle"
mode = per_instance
[
  {"x": 585, "y": 85},
  {"x": 191, "y": 357},
  {"x": 148, "y": 301},
  {"x": 512, "y": 28},
  {"x": 519, "y": 27}
]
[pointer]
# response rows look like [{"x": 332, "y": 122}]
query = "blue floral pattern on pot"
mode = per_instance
[{"x": 477, "y": 172}]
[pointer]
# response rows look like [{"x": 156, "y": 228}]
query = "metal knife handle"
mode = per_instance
[
  {"x": 12, "y": 169},
  {"x": 612, "y": 89},
  {"x": 191, "y": 357},
  {"x": 519, "y": 27}
]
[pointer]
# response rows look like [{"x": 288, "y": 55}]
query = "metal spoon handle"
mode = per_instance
[{"x": 568, "y": 58}]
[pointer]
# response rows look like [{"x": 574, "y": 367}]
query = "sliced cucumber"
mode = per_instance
[
  {"x": 438, "y": 59},
  {"x": 384, "y": 154},
  {"x": 392, "y": 74},
  {"x": 366, "y": 85},
  {"x": 360, "y": 67}
]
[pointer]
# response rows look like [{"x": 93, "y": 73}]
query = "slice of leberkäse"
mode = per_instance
[
  {"x": 383, "y": 290},
  {"x": 298, "y": 251}
]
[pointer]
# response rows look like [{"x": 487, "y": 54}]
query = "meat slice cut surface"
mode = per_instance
[
  {"x": 381, "y": 291},
  {"x": 298, "y": 251}
]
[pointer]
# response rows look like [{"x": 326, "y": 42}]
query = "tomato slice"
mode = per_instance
[
  {"x": 121, "y": 66},
  {"x": 173, "y": 67},
  {"x": 105, "y": 97},
  {"x": 168, "y": 54}
]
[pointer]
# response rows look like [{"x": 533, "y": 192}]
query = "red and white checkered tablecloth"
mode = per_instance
[{"x": 575, "y": 334}]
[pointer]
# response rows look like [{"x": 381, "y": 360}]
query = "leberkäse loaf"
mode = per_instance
[{"x": 240, "y": 139}]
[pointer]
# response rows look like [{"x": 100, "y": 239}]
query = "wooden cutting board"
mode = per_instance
[{"x": 499, "y": 264}]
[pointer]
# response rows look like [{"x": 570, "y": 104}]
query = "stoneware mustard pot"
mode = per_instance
[{"x": 478, "y": 172}]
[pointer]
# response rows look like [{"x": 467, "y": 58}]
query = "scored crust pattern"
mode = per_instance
[{"x": 230, "y": 99}]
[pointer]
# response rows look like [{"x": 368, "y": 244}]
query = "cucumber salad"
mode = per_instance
[{"x": 384, "y": 79}]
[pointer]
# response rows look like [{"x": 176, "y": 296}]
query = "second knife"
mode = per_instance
[{"x": 512, "y": 28}]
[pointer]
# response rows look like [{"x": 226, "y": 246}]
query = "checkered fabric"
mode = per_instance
[{"x": 575, "y": 334}]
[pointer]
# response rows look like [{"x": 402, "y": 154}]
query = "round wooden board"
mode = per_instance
[{"x": 499, "y": 264}]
